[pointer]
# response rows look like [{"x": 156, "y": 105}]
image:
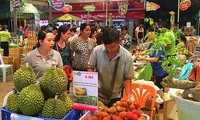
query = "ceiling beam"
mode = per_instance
[{"x": 38, "y": 2}]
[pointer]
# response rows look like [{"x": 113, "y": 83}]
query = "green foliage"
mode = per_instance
[
  {"x": 150, "y": 20},
  {"x": 170, "y": 65}
]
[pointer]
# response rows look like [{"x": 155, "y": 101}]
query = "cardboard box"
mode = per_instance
[
  {"x": 7, "y": 60},
  {"x": 16, "y": 52}
]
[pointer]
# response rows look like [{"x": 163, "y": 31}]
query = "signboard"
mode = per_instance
[
  {"x": 67, "y": 8},
  {"x": 185, "y": 4},
  {"x": 57, "y": 4},
  {"x": 188, "y": 24},
  {"x": 37, "y": 19},
  {"x": 85, "y": 90}
]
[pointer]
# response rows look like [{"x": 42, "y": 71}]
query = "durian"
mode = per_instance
[
  {"x": 53, "y": 81},
  {"x": 54, "y": 108},
  {"x": 24, "y": 77},
  {"x": 31, "y": 100}
]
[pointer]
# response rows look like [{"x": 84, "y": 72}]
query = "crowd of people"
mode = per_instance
[{"x": 90, "y": 49}]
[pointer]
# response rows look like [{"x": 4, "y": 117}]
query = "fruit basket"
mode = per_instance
[
  {"x": 187, "y": 109},
  {"x": 7, "y": 115}
]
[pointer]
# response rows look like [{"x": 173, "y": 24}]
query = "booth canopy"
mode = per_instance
[{"x": 68, "y": 17}]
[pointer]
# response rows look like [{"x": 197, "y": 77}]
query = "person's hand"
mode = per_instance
[
  {"x": 136, "y": 55},
  {"x": 139, "y": 58}
]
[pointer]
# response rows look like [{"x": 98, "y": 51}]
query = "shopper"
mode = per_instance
[
  {"x": 73, "y": 34},
  {"x": 125, "y": 38},
  {"x": 43, "y": 56},
  {"x": 4, "y": 38},
  {"x": 104, "y": 59},
  {"x": 82, "y": 47},
  {"x": 93, "y": 33},
  {"x": 19, "y": 31},
  {"x": 139, "y": 33},
  {"x": 55, "y": 31},
  {"x": 26, "y": 31},
  {"x": 62, "y": 45}
]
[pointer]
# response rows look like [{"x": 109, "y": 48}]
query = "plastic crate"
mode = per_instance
[{"x": 72, "y": 115}]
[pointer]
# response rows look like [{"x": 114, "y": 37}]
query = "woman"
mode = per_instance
[
  {"x": 82, "y": 48},
  {"x": 43, "y": 56},
  {"x": 156, "y": 57},
  {"x": 62, "y": 46},
  {"x": 93, "y": 33}
]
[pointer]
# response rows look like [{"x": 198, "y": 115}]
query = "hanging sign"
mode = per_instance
[
  {"x": 185, "y": 4},
  {"x": 150, "y": 6},
  {"x": 122, "y": 9},
  {"x": 57, "y": 4},
  {"x": 67, "y": 8},
  {"x": 89, "y": 8}
]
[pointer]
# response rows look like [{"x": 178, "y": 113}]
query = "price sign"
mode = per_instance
[{"x": 85, "y": 90}]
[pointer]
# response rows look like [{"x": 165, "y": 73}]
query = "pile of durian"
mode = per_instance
[{"x": 47, "y": 98}]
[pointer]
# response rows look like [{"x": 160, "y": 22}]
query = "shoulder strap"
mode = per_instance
[{"x": 114, "y": 73}]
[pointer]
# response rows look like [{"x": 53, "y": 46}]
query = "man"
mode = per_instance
[
  {"x": 4, "y": 38},
  {"x": 103, "y": 59},
  {"x": 19, "y": 31}
]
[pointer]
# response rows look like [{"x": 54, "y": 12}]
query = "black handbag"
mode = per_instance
[{"x": 103, "y": 95}]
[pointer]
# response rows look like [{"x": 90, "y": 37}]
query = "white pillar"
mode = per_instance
[{"x": 106, "y": 12}]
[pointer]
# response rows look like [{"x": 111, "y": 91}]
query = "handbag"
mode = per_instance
[{"x": 103, "y": 95}]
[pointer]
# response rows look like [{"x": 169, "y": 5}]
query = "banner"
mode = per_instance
[{"x": 150, "y": 6}]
